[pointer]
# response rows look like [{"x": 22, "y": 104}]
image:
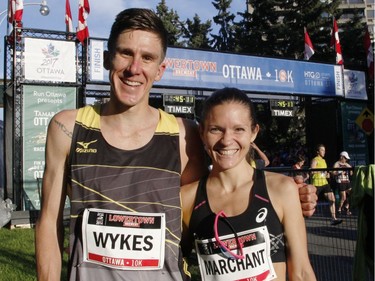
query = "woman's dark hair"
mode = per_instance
[
  {"x": 138, "y": 19},
  {"x": 299, "y": 158},
  {"x": 227, "y": 95}
]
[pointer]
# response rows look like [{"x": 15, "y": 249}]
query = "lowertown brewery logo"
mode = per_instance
[{"x": 85, "y": 147}]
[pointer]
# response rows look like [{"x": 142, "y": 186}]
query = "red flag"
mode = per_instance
[
  {"x": 83, "y": 12},
  {"x": 370, "y": 54},
  {"x": 15, "y": 10},
  {"x": 68, "y": 17},
  {"x": 309, "y": 48},
  {"x": 335, "y": 42}
]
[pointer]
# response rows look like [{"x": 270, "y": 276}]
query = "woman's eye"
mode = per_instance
[{"x": 214, "y": 130}]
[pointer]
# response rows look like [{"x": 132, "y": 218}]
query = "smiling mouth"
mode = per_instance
[
  {"x": 227, "y": 152},
  {"x": 132, "y": 83}
]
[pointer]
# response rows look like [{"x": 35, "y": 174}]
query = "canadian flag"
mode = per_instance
[
  {"x": 335, "y": 42},
  {"x": 309, "y": 48},
  {"x": 68, "y": 17},
  {"x": 15, "y": 10},
  {"x": 83, "y": 12},
  {"x": 370, "y": 55}
]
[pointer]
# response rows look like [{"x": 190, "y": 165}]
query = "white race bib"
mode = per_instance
[
  {"x": 256, "y": 265},
  {"x": 124, "y": 240}
]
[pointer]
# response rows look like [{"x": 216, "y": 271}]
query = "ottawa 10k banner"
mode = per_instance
[{"x": 198, "y": 69}]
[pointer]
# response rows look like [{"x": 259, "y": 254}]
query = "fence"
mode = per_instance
[{"x": 331, "y": 247}]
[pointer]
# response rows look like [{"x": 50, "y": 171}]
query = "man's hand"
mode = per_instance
[{"x": 308, "y": 198}]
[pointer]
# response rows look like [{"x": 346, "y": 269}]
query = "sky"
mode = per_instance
[{"x": 102, "y": 14}]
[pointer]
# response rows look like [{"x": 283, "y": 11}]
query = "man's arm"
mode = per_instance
[
  {"x": 193, "y": 164},
  {"x": 261, "y": 154},
  {"x": 49, "y": 233}
]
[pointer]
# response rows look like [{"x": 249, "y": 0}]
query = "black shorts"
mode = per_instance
[
  {"x": 344, "y": 186},
  {"x": 323, "y": 189}
]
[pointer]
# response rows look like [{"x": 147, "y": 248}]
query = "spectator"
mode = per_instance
[
  {"x": 319, "y": 179},
  {"x": 261, "y": 160},
  {"x": 342, "y": 179},
  {"x": 299, "y": 176}
]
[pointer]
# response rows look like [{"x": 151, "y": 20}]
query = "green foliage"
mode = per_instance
[
  {"x": 352, "y": 43},
  {"x": 225, "y": 39},
  {"x": 196, "y": 33},
  {"x": 171, "y": 22}
]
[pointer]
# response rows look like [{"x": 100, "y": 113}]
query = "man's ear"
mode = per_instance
[
  {"x": 107, "y": 60},
  {"x": 160, "y": 72}
]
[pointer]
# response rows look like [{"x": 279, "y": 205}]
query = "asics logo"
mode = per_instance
[{"x": 85, "y": 147}]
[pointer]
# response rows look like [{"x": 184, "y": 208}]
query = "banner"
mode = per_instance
[
  {"x": 96, "y": 60},
  {"x": 40, "y": 104},
  {"x": 197, "y": 69},
  {"x": 355, "y": 85},
  {"x": 354, "y": 138},
  {"x": 50, "y": 60}
]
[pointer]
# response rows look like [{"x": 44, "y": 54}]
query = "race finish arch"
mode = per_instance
[
  {"x": 197, "y": 69},
  {"x": 197, "y": 73}
]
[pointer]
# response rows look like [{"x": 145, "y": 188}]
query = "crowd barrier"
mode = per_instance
[{"x": 334, "y": 250}]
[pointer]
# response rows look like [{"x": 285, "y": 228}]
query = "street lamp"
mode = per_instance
[{"x": 44, "y": 9}]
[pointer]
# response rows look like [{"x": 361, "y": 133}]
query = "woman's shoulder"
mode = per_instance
[{"x": 279, "y": 183}]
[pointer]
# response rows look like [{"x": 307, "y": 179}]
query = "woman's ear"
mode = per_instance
[{"x": 254, "y": 132}]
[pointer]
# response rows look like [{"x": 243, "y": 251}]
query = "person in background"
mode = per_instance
[
  {"x": 122, "y": 159},
  {"x": 299, "y": 177},
  {"x": 261, "y": 161},
  {"x": 238, "y": 214},
  {"x": 319, "y": 180},
  {"x": 342, "y": 179}
]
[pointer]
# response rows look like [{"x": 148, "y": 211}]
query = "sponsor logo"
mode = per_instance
[{"x": 85, "y": 147}]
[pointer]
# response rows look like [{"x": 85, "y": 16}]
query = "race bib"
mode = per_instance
[
  {"x": 255, "y": 266},
  {"x": 124, "y": 240}
]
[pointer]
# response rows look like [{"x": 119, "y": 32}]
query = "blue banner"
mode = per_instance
[{"x": 197, "y": 69}]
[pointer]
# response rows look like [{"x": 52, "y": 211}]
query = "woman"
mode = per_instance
[
  {"x": 239, "y": 234},
  {"x": 343, "y": 182},
  {"x": 298, "y": 165}
]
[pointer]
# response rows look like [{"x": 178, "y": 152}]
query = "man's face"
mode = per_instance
[
  {"x": 322, "y": 151},
  {"x": 134, "y": 66}
]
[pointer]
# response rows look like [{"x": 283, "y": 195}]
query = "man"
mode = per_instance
[
  {"x": 319, "y": 179},
  {"x": 123, "y": 162}
]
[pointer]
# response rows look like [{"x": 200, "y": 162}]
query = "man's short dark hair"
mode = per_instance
[{"x": 138, "y": 19}]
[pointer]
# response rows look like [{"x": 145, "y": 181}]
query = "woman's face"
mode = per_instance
[{"x": 227, "y": 134}]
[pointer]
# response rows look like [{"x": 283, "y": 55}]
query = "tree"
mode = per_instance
[
  {"x": 351, "y": 39},
  {"x": 197, "y": 33},
  {"x": 171, "y": 22},
  {"x": 276, "y": 28},
  {"x": 225, "y": 39}
]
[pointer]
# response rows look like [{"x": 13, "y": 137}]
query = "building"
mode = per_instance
[{"x": 366, "y": 8}]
